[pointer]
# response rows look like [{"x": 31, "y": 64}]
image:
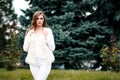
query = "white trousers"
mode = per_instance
[{"x": 41, "y": 70}]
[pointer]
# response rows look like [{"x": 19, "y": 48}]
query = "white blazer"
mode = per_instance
[{"x": 34, "y": 45}]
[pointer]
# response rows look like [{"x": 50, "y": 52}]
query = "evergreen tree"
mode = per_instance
[
  {"x": 78, "y": 36},
  {"x": 107, "y": 13},
  {"x": 7, "y": 27}
]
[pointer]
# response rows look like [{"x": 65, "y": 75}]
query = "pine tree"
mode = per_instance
[
  {"x": 78, "y": 36},
  {"x": 7, "y": 27}
]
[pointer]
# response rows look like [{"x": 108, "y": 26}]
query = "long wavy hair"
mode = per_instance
[{"x": 34, "y": 19}]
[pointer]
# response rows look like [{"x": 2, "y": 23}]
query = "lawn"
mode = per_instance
[{"x": 24, "y": 74}]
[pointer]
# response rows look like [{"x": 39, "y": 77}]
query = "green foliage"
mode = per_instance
[
  {"x": 8, "y": 37},
  {"x": 109, "y": 57},
  {"x": 12, "y": 53},
  {"x": 75, "y": 44},
  {"x": 78, "y": 36},
  {"x": 118, "y": 47},
  {"x": 6, "y": 11},
  {"x": 2, "y": 38},
  {"x": 107, "y": 13}
]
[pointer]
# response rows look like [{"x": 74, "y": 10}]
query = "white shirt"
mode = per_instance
[{"x": 39, "y": 46}]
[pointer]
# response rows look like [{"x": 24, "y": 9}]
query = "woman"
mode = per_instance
[{"x": 39, "y": 43}]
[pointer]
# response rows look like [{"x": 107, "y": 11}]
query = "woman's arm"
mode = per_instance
[
  {"x": 50, "y": 39},
  {"x": 26, "y": 41}
]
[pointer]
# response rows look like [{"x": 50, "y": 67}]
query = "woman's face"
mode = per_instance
[{"x": 40, "y": 20}]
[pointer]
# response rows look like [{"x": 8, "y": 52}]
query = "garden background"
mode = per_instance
[{"x": 86, "y": 32}]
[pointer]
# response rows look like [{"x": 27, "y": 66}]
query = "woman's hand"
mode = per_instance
[{"x": 45, "y": 33}]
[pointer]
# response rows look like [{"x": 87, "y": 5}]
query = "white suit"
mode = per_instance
[{"x": 40, "y": 53}]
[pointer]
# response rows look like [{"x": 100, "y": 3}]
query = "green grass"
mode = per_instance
[
  {"x": 24, "y": 74},
  {"x": 18, "y": 74}
]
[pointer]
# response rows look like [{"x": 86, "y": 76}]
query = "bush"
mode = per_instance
[
  {"x": 109, "y": 55},
  {"x": 10, "y": 65}
]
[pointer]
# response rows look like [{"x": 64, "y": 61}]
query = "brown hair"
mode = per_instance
[{"x": 34, "y": 18}]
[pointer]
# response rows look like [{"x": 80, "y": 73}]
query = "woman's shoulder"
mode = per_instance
[
  {"x": 48, "y": 29},
  {"x": 30, "y": 31}
]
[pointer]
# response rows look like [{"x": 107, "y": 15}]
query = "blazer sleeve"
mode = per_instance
[
  {"x": 50, "y": 40},
  {"x": 27, "y": 41}
]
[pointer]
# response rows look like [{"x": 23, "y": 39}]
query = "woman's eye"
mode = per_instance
[{"x": 39, "y": 18}]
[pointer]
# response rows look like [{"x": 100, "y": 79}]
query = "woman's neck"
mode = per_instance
[{"x": 39, "y": 28}]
